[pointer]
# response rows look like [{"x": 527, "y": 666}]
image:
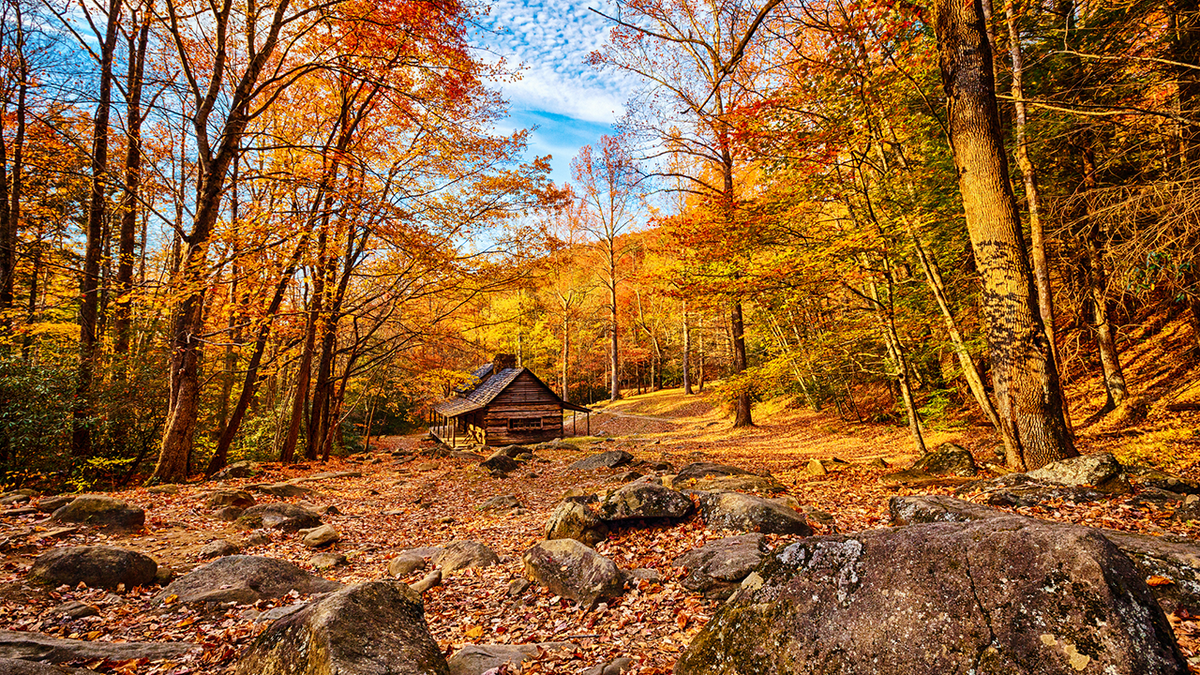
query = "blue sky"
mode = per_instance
[{"x": 571, "y": 103}]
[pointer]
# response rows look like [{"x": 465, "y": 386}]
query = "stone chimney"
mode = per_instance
[{"x": 503, "y": 362}]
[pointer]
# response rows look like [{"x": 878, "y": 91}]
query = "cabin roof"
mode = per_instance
[{"x": 488, "y": 389}]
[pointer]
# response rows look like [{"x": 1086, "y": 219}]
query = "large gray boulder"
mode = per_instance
[
  {"x": 499, "y": 463},
  {"x": 1099, "y": 470},
  {"x": 238, "y": 499},
  {"x": 574, "y": 571},
  {"x": 1173, "y": 562},
  {"x": 604, "y": 460},
  {"x": 479, "y": 659},
  {"x": 103, "y": 511},
  {"x": 463, "y": 553},
  {"x": 947, "y": 459},
  {"x": 1019, "y": 489},
  {"x": 95, "y": 566},
  {"x": 279, "y": 516},
  {"x": 374, "y": 628},
  {"x": 572, "y": 520},
  {"x": 997, "y": 596},
  {"x": 644, "y": 500},
  {"x": 243, "y": 579},
  {"x": 740, "y": 483},
  {"x": 37, "y": 647},
  {"x": 717, "y": 567},
  {"x": 701, "y": 470},
  {"x": 747, "y": 513}
]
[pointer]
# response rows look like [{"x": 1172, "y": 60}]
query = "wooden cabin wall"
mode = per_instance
[{"x": 525, "y": 398}]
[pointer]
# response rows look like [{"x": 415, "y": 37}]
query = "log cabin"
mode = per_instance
[{"x": 503, "y": 404}]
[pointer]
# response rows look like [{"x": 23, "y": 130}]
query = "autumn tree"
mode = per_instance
[
  {"x": 1026, "y": 380},
  {"x": 692, "y": 59}
]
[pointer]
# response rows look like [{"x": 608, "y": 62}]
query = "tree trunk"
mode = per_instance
[
  {"x": 250, "y": 381},
  {"x": 10, "y": 201},
  {"x": 1028, "y": 393},
  {"x": 130, "y": 198},
  {"x": 566, "y": 354},
  {"x": 742, "y": 404},
  {"x": 89, "y": 291},
  {"x": 1115, "y": 389},
  {"x": 615, "y": 390},
  {"x": 687, "y": 352}
]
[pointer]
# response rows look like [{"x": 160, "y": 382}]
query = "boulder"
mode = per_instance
[
  {"x": 1019, "y": 489},
  {"x": 73, "y": 610},
  {"x": 478, "y": 659},
  {"x": 37, "y": 647},
  {"x": 327, "y": 561},
  {"x": 1002, "y": 595},
  {"x": 218, "y": 548},
  {"x": 747, "y": 513},
  {"x": 603, "y": 460},
  {"x": 320, "y": 536},
  {"x": 717, "y": 567},
  {"x": 1099, "y": 470},
  {"x": 238, "y": 499},
  {"x": 23, "y": 496},
  {"x": 572, "y": 570},
  {"x": 699, "y": 470},
  {"x": 947, "y": 459},
  {"x": 1172, "y": 563},
  {"x": 1147, "y": 478},
  {"x": 500, "y": 503},
  {"x": 95, "y": 566},
  {"x": 463, "y": 553},
  {"x": 228, "y": 513},
  {"x": 237, "y": 470},
  {"x": 573, "y": 520},
  {"x": 514, "y": 451},
  {"x": 243, "y": 579},
  {"x": 742, "y": 483},
  {"x": 103, "y": 511},
  {"x": 373, "y": 627},
  {"x": 52, "y": 504},
  {"x": 644, "y": 500},
  {"x": 937, "y": 509},
  {"x": 405, "y": 564},
  {"x": 500, "y": 463},
  {"x": 278, "y": 516}
]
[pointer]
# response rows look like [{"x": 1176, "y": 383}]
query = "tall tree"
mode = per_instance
[
  {"x": 608, "y": 180},
  {"x": 1028, "y": 392},
  {"x": 692, "y": 58}
]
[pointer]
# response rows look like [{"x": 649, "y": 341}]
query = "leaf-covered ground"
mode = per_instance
[{"x": 400, "y": 503}]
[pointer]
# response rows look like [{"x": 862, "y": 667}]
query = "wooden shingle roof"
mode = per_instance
[{"x": 482, "y": 395}]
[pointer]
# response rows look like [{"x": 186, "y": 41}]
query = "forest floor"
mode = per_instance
[{"x": 399, "y": 503}]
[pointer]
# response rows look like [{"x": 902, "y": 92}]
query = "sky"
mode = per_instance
[{"x": 571, "y": 103}]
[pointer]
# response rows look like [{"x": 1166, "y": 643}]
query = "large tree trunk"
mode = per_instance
[
  {"x": 89, "y": 285},
  {"x": 1028, "y": 392}
]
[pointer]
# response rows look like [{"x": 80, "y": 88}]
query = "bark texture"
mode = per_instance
[{"x": 1028, "y": 392}]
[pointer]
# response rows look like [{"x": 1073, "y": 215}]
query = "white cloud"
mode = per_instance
[{"x": 550, "y": 41}]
